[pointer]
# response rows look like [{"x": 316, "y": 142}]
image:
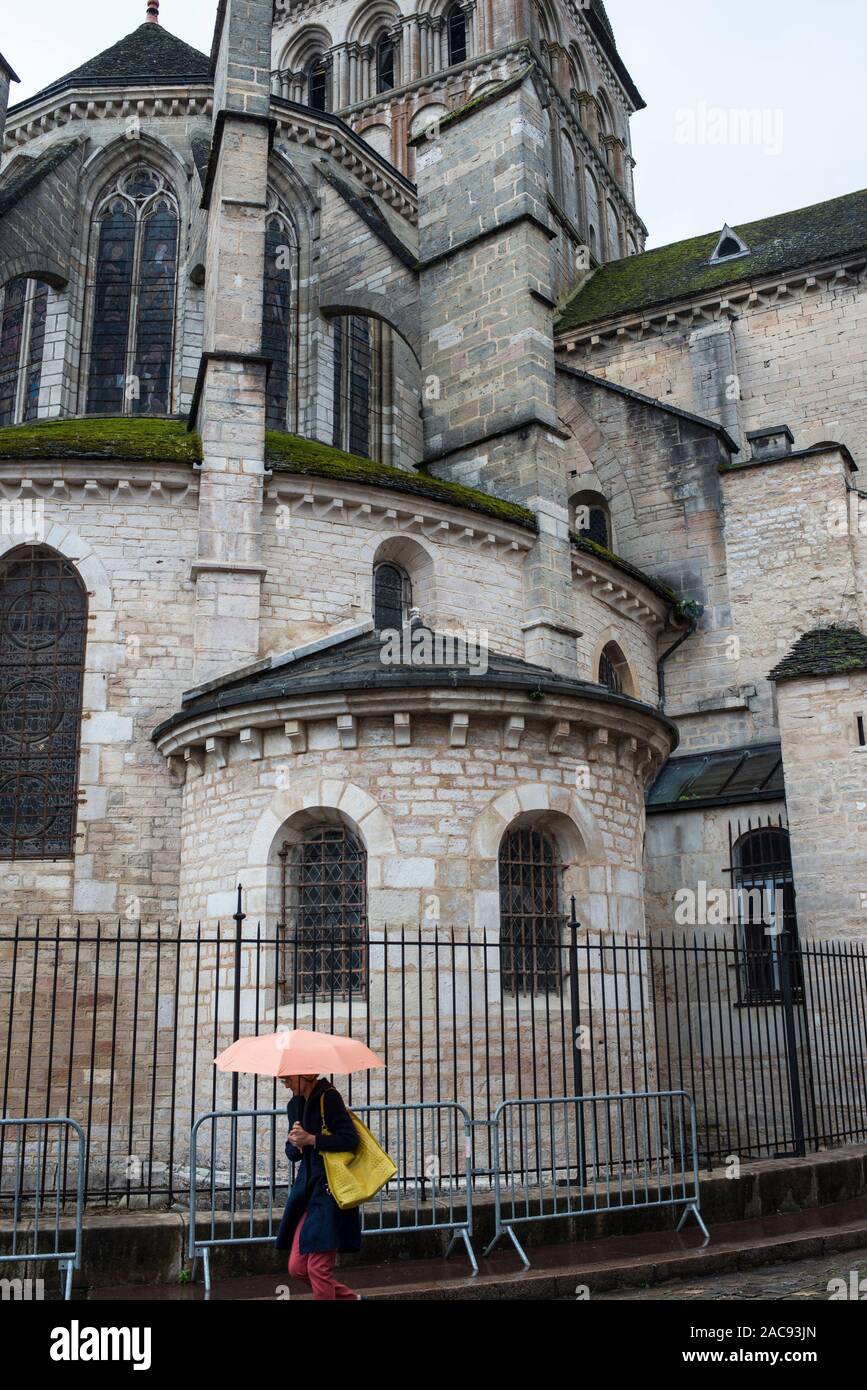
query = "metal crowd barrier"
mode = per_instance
[
  {"x": 572, "y": 1156},
  {"x": 429, "y": 1142},
  {"x": 32, "y": 1181}
]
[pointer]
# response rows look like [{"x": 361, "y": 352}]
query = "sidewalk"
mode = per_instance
[{"x": 602, "y": 1266}]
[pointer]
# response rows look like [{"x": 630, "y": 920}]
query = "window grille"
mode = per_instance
[
  {"x": 323, "y": 926},
  {"x": 530, "y": 918},
  {"x": 764, "y": 911}
]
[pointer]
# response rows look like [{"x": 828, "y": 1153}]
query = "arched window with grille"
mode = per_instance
[
  {"x": 317, "y": 85},
  {"x": 134, "y": 272},
  {"x": 323, "y": 926},
  {"x": 384, "y": 64},
  {"x": 23, "y": 309},
  {"x": 392, "y": 597},
  {"x": 279, "y": 318},
  {"x": 760, "y": 865},
  {"x": 43, "y": 629},
  {"x": 456, "y": 29},
  {"x": 614, "y": 672},
  {"x": 531, "y": 921}
]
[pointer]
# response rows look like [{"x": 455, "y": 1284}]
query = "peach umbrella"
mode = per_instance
[{"x": 299, "y": 1052}]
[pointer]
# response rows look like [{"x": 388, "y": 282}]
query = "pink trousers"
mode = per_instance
[{"x": 317, "y": 1270}]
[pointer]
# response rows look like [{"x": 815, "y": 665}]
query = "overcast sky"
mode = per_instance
[{"x": 797, "y": 65}]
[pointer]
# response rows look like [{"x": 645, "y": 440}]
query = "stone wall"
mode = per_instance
[{"x": 826, "y": 797}]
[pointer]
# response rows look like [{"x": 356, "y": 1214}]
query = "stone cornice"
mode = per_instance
[
  {"x": 65, "y": 480},
  {"x": 331, "y": 136},
  {"x": 728, "y": 301},
  {"x": 590, "y": 726},
  {"x": 109, "y": 103},
  {"x": 332, "y": 499},
  {"x": 627, "y": 597}
]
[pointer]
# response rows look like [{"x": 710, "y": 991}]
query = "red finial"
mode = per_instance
[{"x": 153, "y": 14}]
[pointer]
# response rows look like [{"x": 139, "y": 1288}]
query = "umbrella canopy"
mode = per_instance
[{"x": 297, "y": 1053}]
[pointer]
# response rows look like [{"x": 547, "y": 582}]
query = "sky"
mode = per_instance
[{"x": 754, "y": 106}]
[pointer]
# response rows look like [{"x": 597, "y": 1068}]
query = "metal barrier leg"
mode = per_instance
[
  {"x": 67, "y": 1280},
  {"x": 692, "y": 1210},
  {"x": 507, "y": 1231},
  {"x": 471, "y": 1254},
  {"x": 206, "y": 1262}
]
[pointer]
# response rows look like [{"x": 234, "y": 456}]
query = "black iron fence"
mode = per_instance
[{"x": 118, "y": 1028}]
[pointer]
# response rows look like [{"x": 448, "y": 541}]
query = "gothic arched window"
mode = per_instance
[
  {"x": 23, "y": 308},
  {"x": 568, "y": 178},
  {"x": 317, "y": 85},
  {"x": 279, "y": 318},
  {"x": 134, "y": 287},
  {"x": 358, "y": 385},
  {"x": 457, "y": 35},
  {"x": 384, "y": 64},
  {"x": 392, "y": 598},
  {"x": 530, "y": 918},
  {"x": 43, "y": 629},
  {"x": 324, "y": 914}
]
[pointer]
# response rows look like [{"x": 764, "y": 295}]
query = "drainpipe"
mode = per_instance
[{"x": 694, "y": 615}]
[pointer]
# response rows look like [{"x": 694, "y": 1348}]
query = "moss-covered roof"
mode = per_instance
[
  {"x": 685, "y": 610},
  {"x": 777, "y": 244},
  {"x": 288, "y": 453},
  {"x": 149, "y": 54},
  {"x": 825, "y": 651},
  {"x": 103, "y": 437},
  {"x": 28, "y": 171}
]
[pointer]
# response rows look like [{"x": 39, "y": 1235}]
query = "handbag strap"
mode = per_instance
[{"x": 325, "y": 1129}]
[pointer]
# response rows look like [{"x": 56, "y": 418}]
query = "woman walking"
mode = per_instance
[{"x": 314, "y": 1229}]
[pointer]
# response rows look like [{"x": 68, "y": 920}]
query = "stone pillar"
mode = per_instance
[
  {"x": 425, "y": 64},
  {"x": 229, "y": 408},
  {"x": 715, "y": 384},
  {"x": 7, "y": 77},
  {"x": 367, "y": 56},
  {"x": 354, "y": 74},
  {"x": 487, "y": 337}
]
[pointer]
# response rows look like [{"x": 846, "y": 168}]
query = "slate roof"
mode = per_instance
[
  {"x": 13, "y": 76},
  {"x": 149, "y": 54},
  {"x": 809, "y": 235},
  {"x": 357, "y": 664},
  {"x": 826, "y": 651}
]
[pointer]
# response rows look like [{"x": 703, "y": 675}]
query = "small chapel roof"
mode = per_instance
[
  {"x": 824, "y": 651},
  {"x": 150, "y": 54},
  {"x": 774, "y": 245},
  {"x": 357, "y": 664}
]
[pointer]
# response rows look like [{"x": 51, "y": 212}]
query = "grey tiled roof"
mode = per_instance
[
  {"x": 826, "y": 651},
  {"x": 149, "y": 54},
  {"x": 357, "y": 664}
]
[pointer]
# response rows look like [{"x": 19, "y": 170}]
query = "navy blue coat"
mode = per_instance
[{"x": 327, "y": 1227}]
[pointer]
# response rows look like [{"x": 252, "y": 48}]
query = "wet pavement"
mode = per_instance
[
  {"x": 743, "y": 1259},
  {"x": 798, "y": 1280}
]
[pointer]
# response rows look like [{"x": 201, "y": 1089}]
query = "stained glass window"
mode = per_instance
[
  {"x": 134, "y": 292},
  {"x": 278, "y": 317},
  {"x": 43, "y": 624},
  {"x": 23, "y": 309}
]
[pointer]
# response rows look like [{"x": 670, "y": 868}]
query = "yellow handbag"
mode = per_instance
[{"x": 355, "y": 1177}]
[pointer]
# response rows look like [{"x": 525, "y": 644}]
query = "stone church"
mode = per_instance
[{"x": 345, "y": 333}]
